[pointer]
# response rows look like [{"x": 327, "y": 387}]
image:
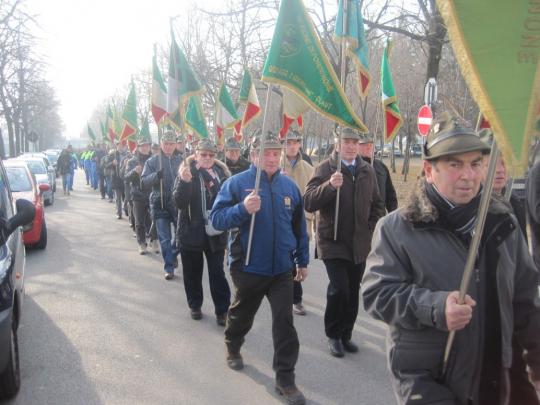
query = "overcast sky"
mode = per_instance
[{"x": 93, "y": 47}]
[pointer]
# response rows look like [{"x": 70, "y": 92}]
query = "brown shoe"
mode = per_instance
[
  {"x": 235, "y": 361},
  {"x": 292, "y": 394}
]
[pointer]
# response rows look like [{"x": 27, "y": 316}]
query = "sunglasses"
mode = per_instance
[{"x": 206, "y": 155}]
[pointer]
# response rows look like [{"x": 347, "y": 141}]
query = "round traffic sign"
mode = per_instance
[{"x": 425, "y": 116}]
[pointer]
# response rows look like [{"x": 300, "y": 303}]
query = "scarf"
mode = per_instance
[{"x": 461, "y": 219}]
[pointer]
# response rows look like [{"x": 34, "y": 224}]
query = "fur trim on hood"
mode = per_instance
[
  {"x": 419, "y": 207},
  {"x": 191, "y": 158}
]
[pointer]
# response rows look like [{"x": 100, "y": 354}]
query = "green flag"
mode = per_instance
[
  {"x": 392, "y": 115},
  {"x": 189, "y": 82},
  {"x": 296, "y": 60},
  {"x": 355, "y": 36},
  {"x": 195, "y": 117},
  {"x": 130, "y": 116},
  {"x": 144, "y": 134},
  {"x": 103, "y": 129},
  {"x": 91, "y": 134},
  {"x": 497, "y": 45}
]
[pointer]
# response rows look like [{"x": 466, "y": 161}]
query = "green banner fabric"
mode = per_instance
[
  {"x": 195, "y": 117},
  {"x": 497, "y": 45},
  {"x": 296, "y": 60},
  {"x": 91, "y": 134},
  {"x": 130, "y": 116},
  {"x": 358, "y": 50}
]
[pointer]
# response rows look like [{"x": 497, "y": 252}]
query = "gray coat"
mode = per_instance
[{"x": 413, "y": 265}]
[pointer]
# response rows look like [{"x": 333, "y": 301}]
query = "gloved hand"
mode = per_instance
[{"x": 159, "y": 174}]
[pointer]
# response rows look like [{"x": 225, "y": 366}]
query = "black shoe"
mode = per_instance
[
  {"x": 169, "y": 276},
  {"x": 196, "y": 314},
  {"x": 292, "y": 394},
  {"x": 235, "y": 361},
  {"x": 119, "y": 217},
  {"x": 349, "y": 346},
  {"x": 336, "y": 347},
  {"x": 221, "y": 319},
  {"x": 175, "y": 263}
]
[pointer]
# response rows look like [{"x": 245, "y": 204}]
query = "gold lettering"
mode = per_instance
[{"x": 530, "y": 41}]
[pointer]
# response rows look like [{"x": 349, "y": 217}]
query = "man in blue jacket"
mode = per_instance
[
  {"x": 279, "y": 243},
  {"x": 158, "y": 175}
]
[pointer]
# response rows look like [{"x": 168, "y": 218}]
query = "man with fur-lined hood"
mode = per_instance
[
  {"x": 414, "y": 270},
  {"x": 199, "y": 180},
  {"x": 300, "y": 171}
]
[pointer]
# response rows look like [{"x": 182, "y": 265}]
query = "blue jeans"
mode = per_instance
[
  {"x": 72, "y": 175},
  {"x": 66, "y": 178},
  {"x": 168, "y": 247}
]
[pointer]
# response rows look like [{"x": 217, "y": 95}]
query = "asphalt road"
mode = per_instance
[{"x": 100, "y": 325}]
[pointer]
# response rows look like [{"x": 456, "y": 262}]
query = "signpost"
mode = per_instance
[{"x": 425, "y": 117}]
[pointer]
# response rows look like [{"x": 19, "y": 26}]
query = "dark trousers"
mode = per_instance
[
  {"x": 250, "y": 290},
  {"x": 297, "y": 289},
  {"x": 342, "y": 297},
  {"x": 192, "y": 267},
  {"x": 102, "y": 187},
  {"x": 143, "y": 221},
  {"x": 119, "y": 199}
]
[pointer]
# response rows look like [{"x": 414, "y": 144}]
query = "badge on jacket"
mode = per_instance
[{"x": 287, "y": 201}]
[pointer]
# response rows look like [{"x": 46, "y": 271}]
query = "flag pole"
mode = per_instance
[
  {"x": 259, "y": 168},
  {"x": 343, "y": 74},
  {"x": 475, "y": 243}
]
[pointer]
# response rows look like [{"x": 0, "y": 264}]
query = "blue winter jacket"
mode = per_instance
[{"x": 280, "y": 239}]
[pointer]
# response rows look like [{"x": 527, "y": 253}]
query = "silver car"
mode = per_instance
[{"x": 43, "y": 175}]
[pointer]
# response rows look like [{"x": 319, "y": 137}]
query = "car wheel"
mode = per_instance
[
  {"x": 10, "y": 378},
  {"x": 42, "y": 242}
]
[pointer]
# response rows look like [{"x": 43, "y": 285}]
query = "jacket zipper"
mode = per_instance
[{"x": 273, "y": 228}]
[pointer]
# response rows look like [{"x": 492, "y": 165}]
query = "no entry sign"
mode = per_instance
[{"x": 425, "y": 116}]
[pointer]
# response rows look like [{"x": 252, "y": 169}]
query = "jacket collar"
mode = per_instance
[
  {"x": 191, "y": 159},
  {"x": 360, "y": 163}
]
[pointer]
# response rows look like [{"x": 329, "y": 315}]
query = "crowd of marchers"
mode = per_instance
[{"x": 198, "y": 200}]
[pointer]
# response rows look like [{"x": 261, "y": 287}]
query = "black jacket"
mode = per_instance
[
  {"x": 151, "y": 182},
  {"x": 190, "y": 232},
  {"x": 134, "y": 179},
  {"x": 384, "y": 181},
  {"x": 533, "y": 209}
]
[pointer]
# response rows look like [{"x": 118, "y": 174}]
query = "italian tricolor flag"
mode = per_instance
[
  {"x": 248, "y": 96},
  {"x": 159, "y": 93},
  {"x": 392, "y": 115},
  {"x": 110, "y": 124},
  {"x": 293, "y": 108},
  {"x": 130, "y": 116},
  {"x": 226, "y": 115}
]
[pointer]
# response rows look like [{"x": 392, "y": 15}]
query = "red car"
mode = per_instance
[{"x": 23, "y": 185}]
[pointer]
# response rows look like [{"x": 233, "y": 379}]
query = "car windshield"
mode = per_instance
[
  {"x": 18, "y": 179},
  {"x": 52, "y": 158},
  {"x": 36, "y": 166}
]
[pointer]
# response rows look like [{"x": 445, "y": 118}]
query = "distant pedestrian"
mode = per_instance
[{"x": 64, "y": 169}]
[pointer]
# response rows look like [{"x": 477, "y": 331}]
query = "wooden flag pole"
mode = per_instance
[
  {"x": 259, "y": 169},
  {"x": 342, "y": 79}
]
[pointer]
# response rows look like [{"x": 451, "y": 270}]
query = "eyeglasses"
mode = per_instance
[{"x": 206, "y": 155}]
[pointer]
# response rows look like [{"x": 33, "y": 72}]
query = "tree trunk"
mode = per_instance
[{"x": 435, "y": 40}]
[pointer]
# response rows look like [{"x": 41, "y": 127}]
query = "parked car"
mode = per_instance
[
  {"x": 43, "y": 176},
  {"x": 23, "y": 184},
  {"x": 12, "y": 261},
  {"x": 387, "y": 148},
  {"x": 416, "y": 150},
  {"x": 51, "y": 170},
  {"x": 52, "y": 155}
]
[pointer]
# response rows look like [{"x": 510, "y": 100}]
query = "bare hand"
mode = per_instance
[
  {"x": 458, "y": 315},
  {"x": 138, "y": 169},
  {"x": 536, "y": 385},
  {"x": 336, "y": 180},
  {"x": 252, "y": 203},
  {"x": 301, "y": 274},
  {"x": 114, "y": 162},
  {"x": 185, "y": 174}
]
